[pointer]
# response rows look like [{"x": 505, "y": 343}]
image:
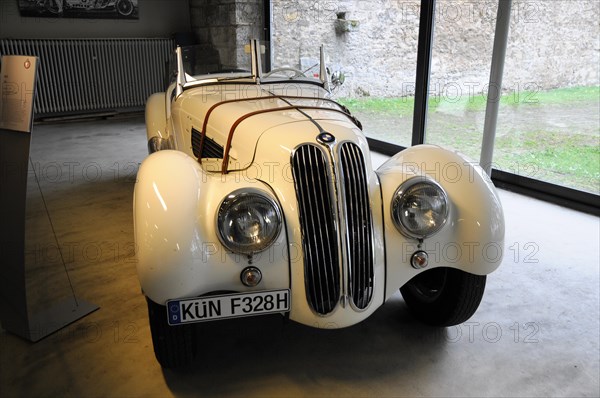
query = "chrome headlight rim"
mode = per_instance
[
  {"x": 232, "y": 199},
  {"x": 400, "y": 194}
]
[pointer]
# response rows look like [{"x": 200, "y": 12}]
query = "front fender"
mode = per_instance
[
  {"x": 472, "y": 239},
  {"x": 156, "y": 117},
  {"x": 178, "y": 252},
  {"x": 156, "y": 124}
]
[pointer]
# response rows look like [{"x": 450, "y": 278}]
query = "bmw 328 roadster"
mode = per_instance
[{"x": 259, "y": 197}]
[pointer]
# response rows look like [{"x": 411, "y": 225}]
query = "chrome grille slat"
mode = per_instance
[
  {"x": 317, "y": 222},
  {"x": 323, "y": 279},
  {"x": 318, "y": 219},
  {"x": 358, "y": 224}
]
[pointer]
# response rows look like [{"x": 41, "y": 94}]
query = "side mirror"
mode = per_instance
[{"x": 337, "y": 78}]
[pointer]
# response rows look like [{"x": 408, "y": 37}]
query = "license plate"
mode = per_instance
[{"x": 236, "y": 305}]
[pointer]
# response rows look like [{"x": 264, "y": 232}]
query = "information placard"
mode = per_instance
[
  {"x": 16, "y": 97},
  {"x": 28, "y": 306}
]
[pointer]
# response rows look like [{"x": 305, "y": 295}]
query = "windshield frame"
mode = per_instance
[{"x": 185, "y": 81}]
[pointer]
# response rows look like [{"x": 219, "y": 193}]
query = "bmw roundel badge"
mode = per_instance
[{"x": 326, "y": 138}]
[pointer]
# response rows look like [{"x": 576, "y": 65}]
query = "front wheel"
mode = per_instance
[
  {"x": 174, "y": 346},
  {"x": 444, "y": 296}
]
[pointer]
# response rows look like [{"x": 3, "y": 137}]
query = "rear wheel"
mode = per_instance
[
  {"x": 174, "y": 346},
  {"x": 444, "y": 296}
]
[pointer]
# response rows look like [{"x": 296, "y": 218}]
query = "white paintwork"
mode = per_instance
[
  {"x": 473, "y": 236},
  {"x": 176, "y": 199},
  {"x": 156, "y": 116},
  {"x": 179, "y": 254}
]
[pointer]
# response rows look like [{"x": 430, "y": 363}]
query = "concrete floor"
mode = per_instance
[{"x": 536, "y": 332}]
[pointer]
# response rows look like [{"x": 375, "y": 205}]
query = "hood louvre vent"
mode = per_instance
[{"x": 207, "y": 149}]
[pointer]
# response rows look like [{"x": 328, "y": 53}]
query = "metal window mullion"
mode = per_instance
[
  {"x": 426, "y": 29},
  {"x": 496, "y": 72}
]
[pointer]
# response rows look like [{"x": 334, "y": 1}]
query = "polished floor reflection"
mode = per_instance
[{"x": 536, "y": 332}]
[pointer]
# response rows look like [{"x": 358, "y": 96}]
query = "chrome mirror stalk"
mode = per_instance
[
  {"x": 256, "y": 61},
  {"x": 180, "y": 73},
  {"x": 323, "y": 69}
]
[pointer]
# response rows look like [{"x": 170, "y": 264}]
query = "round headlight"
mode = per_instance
[
  {"x": 419, "y": 208},
  {"x": 248, "y": 222}
]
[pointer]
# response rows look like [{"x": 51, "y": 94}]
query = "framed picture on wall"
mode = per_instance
[{"x": 79, "y": 8}]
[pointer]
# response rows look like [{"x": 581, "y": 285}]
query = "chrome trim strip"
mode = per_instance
[
  {"x": 181, "y": 81},
  {"x": 256, "y": 60},
  {"x": 323, "y": 69}
]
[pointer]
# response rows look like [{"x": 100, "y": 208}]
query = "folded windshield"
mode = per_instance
[
  {"x": 198, "y": 64},
  {"x": 199, "y": 60}
]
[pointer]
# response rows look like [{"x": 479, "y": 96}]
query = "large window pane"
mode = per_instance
[
  {"x": 373, "y": 42},
  {"x": 549, "y": 122},
  {"x": 460, "y": 69}
]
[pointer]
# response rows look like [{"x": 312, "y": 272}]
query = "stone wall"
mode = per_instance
[
  {"x": 227, "y": 25},
  {"x": 551, "y": 44}
]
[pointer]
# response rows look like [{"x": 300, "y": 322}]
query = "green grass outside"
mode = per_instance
[
  {"x": 404, "y": 106},
  {"x": 398, "y": 106},
  {"x": 566, "y": 155},
  {"x": 571, "y": 160}
]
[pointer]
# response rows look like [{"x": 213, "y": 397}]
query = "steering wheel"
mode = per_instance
[{"x": 284, "y": 69}]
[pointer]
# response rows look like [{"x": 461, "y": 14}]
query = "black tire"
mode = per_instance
[
  {"x": 175, "y": 347},
  {"x": 444, "y": 296},
  {"x": 124, "y": 7}
]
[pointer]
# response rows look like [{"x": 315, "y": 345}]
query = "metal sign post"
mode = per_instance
[{"x": 26, "y": 225}]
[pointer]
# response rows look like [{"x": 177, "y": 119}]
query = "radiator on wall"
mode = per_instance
[{"x": 86, "y": 76}]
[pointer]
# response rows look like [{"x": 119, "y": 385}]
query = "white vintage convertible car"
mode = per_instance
[{"x": 259, "y": 197}]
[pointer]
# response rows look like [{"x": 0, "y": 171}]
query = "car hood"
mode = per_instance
[{"x": 239, "y": 116}]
